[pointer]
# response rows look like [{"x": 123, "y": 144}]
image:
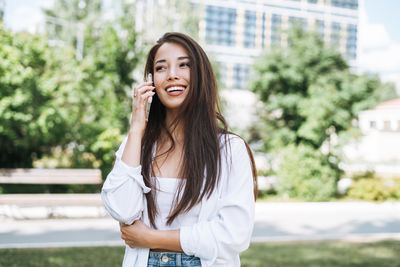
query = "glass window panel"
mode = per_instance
[{"x": 220, "y": 25}]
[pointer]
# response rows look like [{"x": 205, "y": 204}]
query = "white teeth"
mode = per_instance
[{"x": 175, "y": 88}]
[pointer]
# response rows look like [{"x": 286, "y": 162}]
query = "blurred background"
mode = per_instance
[
  {"x": 298, "y": 79},
  {"x": 313, "y": 85}
]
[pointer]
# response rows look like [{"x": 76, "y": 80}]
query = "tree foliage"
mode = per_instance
[
  {"x": 60, "y": 110},
  {"x": 310, "y": 94},
  {"x": 309, "y": 91},
  {"x": 306, "y": 174},
  {"x": 99, "y": 85},
  {"x": 50, "y": 99},
  {"x": 30, "y": 123}
]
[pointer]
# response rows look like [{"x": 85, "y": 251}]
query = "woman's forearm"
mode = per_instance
[
  {"x": 132, "y": 151},
  {"x": 166, "y": 239},
  {"x": 139, "y": 235}
]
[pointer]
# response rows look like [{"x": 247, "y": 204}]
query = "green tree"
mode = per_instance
[
  {"x": 50, "y": 99},
  {"x": 100, "y": 84},
  {"x": 305, "y": 173},
  {"x": 71, "y": 23},
  {"x": 56, "y": 105},
  {"x": 309, "y": 92},
  {"x": 29, "y": 122},
  {"x": 98, "y": 87},
  {"x": 310, "y": 95}
]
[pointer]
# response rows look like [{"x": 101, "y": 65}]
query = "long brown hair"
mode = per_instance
[{"x": 203, "y": 125}]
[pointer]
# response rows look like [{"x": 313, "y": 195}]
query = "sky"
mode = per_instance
[
  {"x": 379, "y": 32},
  {"x": 379, "y": 39}
]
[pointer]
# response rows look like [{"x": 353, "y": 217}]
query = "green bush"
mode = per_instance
[
  {"x": 305, "y": 173},
  {"x": 105, "y": 147},
  {"x": 375, "y": 189}
]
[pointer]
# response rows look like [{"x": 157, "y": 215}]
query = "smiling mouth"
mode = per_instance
[{"x": 175, "y": 89}]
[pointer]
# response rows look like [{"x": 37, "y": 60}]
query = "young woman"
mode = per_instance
[{"x": 182, "y": 187}]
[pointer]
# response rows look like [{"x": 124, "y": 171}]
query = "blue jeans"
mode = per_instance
[{"x": 161, "y": 259}]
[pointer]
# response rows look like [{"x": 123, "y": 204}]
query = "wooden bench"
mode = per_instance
[{"x": 50, "y": 176}]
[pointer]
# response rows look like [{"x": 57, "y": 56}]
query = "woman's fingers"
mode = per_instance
[
  {"x": 127, "y": 241},
  {"x": 130, "y": 244},
  {"x": 125, "y": 236},
  {"x": 141, "y": 93},
  {"x": 144, "y": 90},
  {"x": 146, "y": 96},
  {"x": 139, "y": 89},
  {"x": 135, "y": 234}
]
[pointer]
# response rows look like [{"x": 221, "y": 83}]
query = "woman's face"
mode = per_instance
[{"x": 171, "y": 75}]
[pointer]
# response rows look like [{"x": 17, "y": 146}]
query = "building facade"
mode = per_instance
[
  {"x": 237, "y": 31},
  {"x": 378, "y": 149}
]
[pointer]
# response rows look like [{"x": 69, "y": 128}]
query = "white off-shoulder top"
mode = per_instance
[{"x": 166, "y": 196}]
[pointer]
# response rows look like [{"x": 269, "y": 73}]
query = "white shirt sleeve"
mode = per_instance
[
  {"x": 123, "y": 191},
  {"x": 228, "y": 233}
]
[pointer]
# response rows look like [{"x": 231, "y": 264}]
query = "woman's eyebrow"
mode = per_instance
[
  {"x": 161, "y": 61},
  {"x": 182, "y": 58},
  {"x": 164, "y": 60}
]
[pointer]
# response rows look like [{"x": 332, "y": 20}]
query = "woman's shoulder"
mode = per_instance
[
  {"x": 231, "y": 141},
  {"x": 235, "y": 152}
]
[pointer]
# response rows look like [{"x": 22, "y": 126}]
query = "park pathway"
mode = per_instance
[{"x": 274, "y": 222}]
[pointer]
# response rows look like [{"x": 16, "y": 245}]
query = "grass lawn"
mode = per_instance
[{"x": 326, "y": 254}]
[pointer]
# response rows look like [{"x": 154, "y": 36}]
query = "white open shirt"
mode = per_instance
[{"x": 226, "y": 219}]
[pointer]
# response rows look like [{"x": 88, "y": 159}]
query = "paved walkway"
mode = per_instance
[
  {"x": 332, "y": 220},
  {"x": 274, "y": 222}
]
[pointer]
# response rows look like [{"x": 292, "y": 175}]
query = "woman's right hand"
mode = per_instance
[
  {"x": 140, "y": 94},
  {"x": 132, "y": 150}
]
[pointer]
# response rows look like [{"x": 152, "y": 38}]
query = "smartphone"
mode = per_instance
[{"x": 150, "y": 99}]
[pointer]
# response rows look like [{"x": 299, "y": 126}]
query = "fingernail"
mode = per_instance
[{"x": 150, "y": 99}]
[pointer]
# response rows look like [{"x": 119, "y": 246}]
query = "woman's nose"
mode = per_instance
[{"x": 172, "y": 74}]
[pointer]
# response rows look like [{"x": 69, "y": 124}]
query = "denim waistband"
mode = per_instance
[{"x": 160, "y": 259}]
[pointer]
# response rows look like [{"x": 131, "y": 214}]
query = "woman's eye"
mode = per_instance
[
  {"x": 185, "y": 64},
  {"x": 159, "y": 68}
]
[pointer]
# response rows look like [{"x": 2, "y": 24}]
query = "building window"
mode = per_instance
[
  {"x": 220, "y": 25},
  {"x": 276, "y": 24},
  {"x": 222, "y": 73},
  {"x": 320, "y": 28},
  {"x": 312, "y": 1},
  {"x": 349, "y": 4},
  {"x": 300, "y": 22},
  {"x": 249, "y": 38},
  {"x": 241, "y": 76},
  {"x": 386, "y": 126},
  {"x": 351, "y": 41},
  {"x": 263, "y": 30},
  {"x": 335, "y": 33},
  {"x": 372, "y": 124}
]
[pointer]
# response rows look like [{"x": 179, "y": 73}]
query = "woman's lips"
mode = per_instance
[
  {"x": 175, "y": 93},
  {"x": 175, "y": 89}
]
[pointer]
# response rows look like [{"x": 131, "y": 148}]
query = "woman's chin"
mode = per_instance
[
  {"x": 173, "y": 103},
  {"x": 173, "y": 106}
]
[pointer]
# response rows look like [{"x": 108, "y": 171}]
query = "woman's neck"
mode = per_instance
[{"x": 174, "y": 127}]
